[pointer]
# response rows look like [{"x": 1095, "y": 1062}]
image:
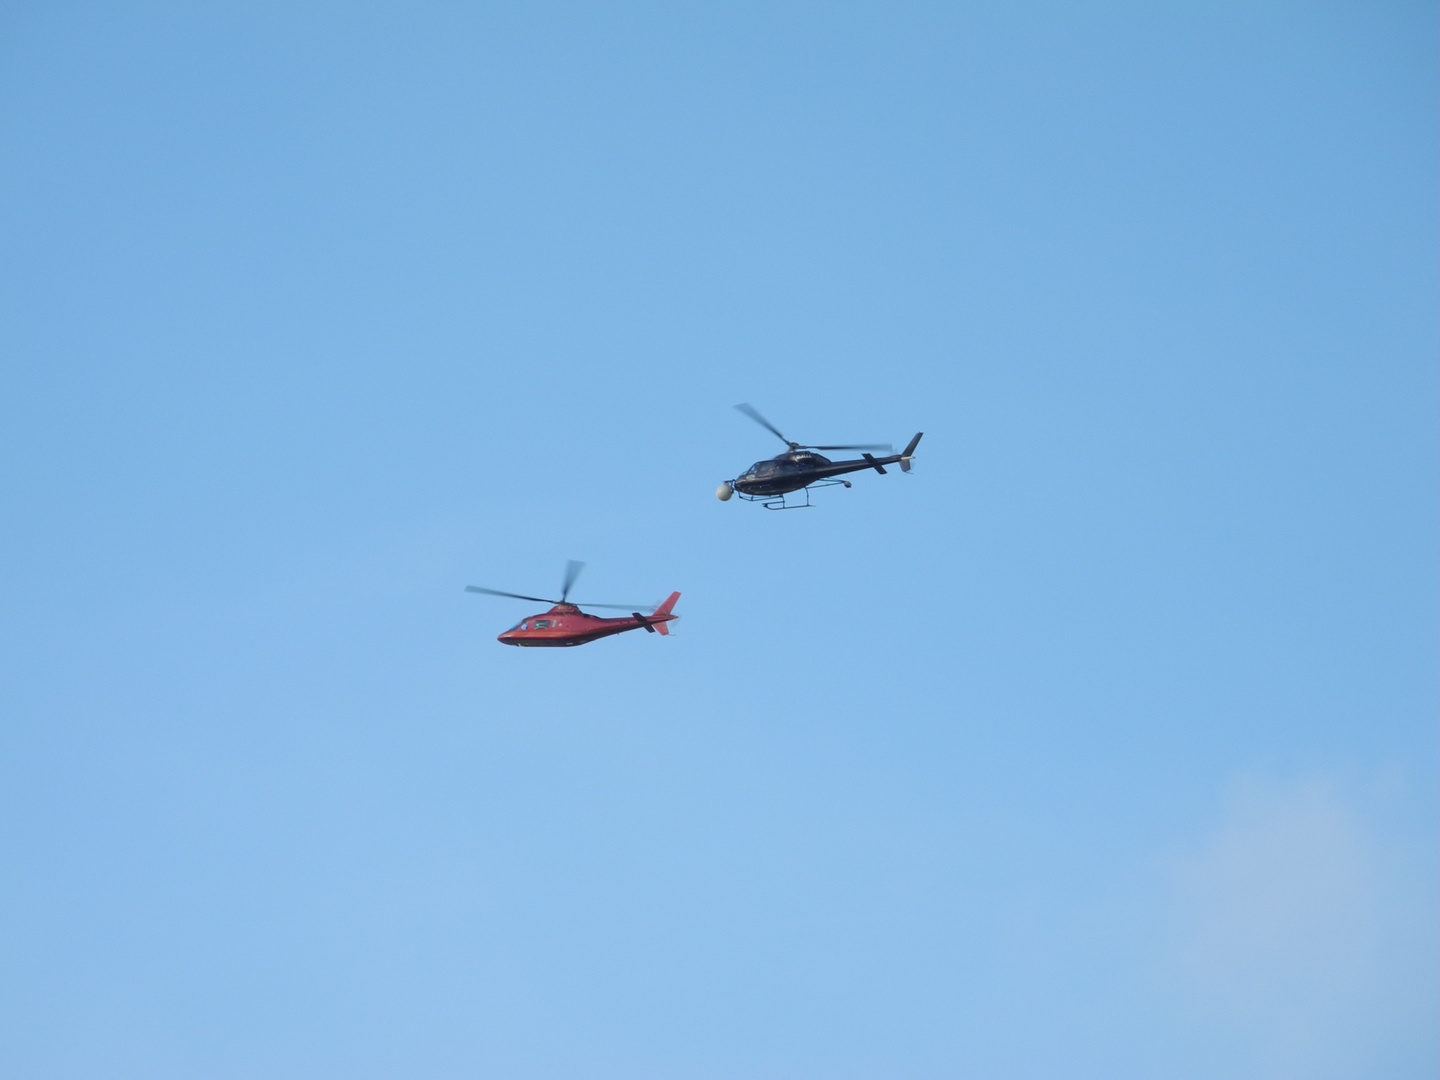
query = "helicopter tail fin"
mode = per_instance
[
  {"x": 662, "y": 613},
  {"x": 909, "y": 452}
]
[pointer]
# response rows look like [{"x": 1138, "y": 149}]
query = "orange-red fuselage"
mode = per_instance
[{"x": 566, "y": 624}]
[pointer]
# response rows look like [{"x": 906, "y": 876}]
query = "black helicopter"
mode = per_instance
[{"x": 800, "y": 468}]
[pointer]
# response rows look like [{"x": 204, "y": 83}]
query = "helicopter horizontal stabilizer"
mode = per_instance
[
  {"x": 874, "y": 464},
  {"x": 646, "y": 623}
]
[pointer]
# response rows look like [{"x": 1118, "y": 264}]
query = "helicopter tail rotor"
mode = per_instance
[
  {"x": 909, "y": 452},
  {"x": 662, "y": 613}
]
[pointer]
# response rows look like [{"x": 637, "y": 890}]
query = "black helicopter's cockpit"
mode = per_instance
[
  {"x": 783, "y": 464},
  {"x": 761, "y": 470}
]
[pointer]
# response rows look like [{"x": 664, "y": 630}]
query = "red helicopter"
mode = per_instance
[{"x": 565, "y": 624}]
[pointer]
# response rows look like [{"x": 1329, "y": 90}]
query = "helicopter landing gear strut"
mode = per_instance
[{"x": 782, "y": 502}]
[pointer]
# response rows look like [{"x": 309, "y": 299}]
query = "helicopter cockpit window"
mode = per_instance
[
  {"x": 542, "y": 624},
  {"x": 762, "y": 468}
]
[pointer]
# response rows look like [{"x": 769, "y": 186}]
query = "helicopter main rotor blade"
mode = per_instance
[
  {"x": 856, "y": 446},
  {"x": 753, "y": 414},
  {"x": 572, "y": 571},
  {"x": 619, "y": 607},
  {"x": 511, "y": 595},
  {"x": 547, "y": 600}
]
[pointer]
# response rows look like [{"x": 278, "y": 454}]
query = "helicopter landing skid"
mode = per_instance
[{"x": 771, "y": 502}]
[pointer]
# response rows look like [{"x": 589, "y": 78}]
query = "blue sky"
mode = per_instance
[{"x": 1102, "y": 745}]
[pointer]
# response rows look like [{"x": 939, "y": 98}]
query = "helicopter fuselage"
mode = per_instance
[
  {"x": 565, "y": 625},
  {"x": 796, "y": 469}
]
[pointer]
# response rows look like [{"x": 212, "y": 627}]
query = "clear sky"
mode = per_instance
[{"x": 1103, "y": 745}]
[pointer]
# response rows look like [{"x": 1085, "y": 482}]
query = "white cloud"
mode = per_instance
[{"x": 1305, "y": 943}]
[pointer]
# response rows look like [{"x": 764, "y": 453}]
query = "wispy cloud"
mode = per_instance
[{"x": 1305, "y": 941}]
